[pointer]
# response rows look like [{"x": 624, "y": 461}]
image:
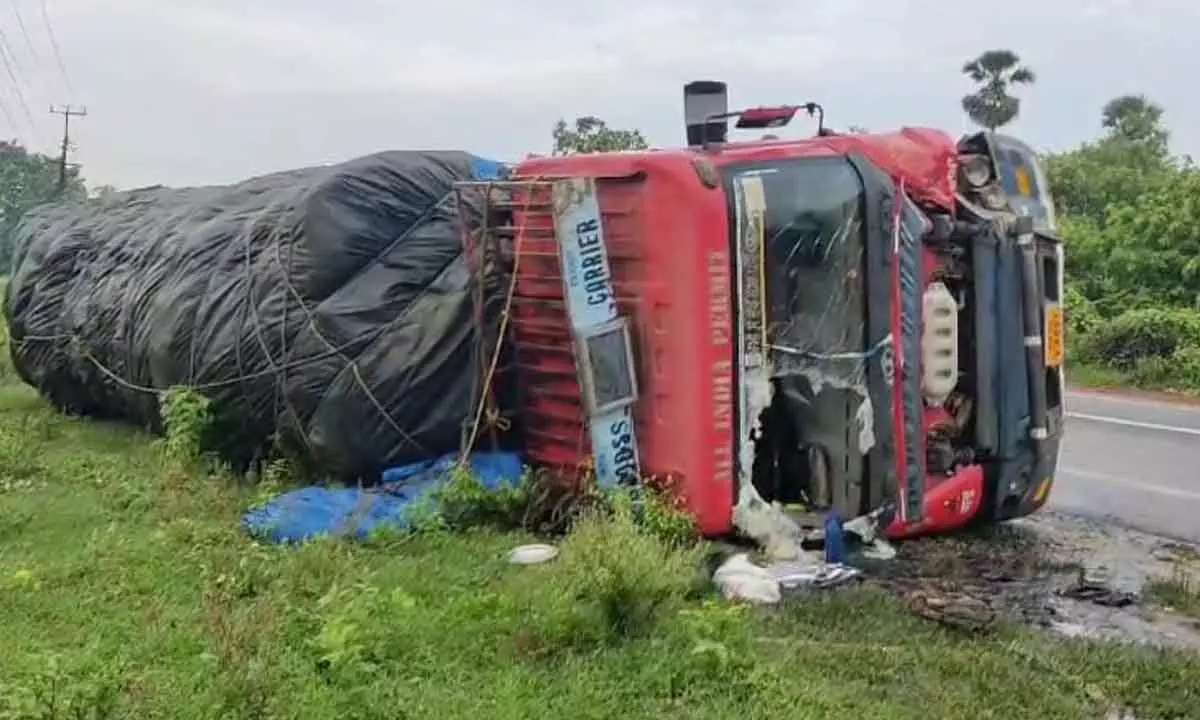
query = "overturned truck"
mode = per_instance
[
  {"x": 865, "y": 323},
  {"x": 327, "y": 308}
]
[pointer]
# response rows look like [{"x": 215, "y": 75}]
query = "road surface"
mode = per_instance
[{"x": 1134, "y": 459}]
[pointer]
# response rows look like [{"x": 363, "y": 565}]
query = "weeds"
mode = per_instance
[
  {"x": 91, "y": 692},
  {"x": 619, "y": 580},
  {"x": 1180, "y": 592},
  {"x": 187, "y": 419},
  {"x": 464, "y": 502}
]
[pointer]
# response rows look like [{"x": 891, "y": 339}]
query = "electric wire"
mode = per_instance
[
  {"x": 8, "y": 113},
  {"x": 8, "y": 59},
  {"x": 33, "y": 53},
  {"x": 54, "y": 46}
]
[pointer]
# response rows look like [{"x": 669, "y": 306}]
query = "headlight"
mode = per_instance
[
  {"x": 975, "y": 170},
  {"x": 993, "y": 198}
]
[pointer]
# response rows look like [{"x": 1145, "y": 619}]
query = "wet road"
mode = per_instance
[{"x": 1134, "y": 459}]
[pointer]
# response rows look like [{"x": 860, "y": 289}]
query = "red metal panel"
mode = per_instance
[
  {"x": 926, "y": 160},
  {"x": 668, "y": 242}
]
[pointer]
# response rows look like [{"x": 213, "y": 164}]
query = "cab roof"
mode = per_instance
[{"x": 924, "y": 160}]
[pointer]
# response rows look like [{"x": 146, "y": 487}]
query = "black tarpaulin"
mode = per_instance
[{"x": 328, "y": 305}]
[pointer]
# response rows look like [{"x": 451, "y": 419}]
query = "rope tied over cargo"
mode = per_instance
[
  {"x": 483, "y": 408},
  {"x": 327, "y": 304}
]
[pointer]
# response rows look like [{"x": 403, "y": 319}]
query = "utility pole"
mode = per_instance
[{"x": 67, "y": 112}]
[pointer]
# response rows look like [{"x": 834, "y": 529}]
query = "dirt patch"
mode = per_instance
[
  {"x": 1069, "y": 575},
  {"x": 1131, "y": 561}
]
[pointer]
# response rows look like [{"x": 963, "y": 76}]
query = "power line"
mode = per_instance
[
  {"x": 67, "y": 112},
  {"x": 16, "y": 6},
  {"x": 62, "y": 67},
  {"x": 9, "y": 61},
  {"x": 8, "y": 115}
]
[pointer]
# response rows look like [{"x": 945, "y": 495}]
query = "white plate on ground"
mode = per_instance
[{"x": 532, "y": 554}]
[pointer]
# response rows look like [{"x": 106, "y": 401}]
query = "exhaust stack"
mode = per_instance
[{"x": 701, "y": 100}]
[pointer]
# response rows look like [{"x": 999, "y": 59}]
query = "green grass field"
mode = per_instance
[{"x": 128, "y": 590}]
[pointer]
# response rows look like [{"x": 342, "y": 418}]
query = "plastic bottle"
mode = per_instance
[{"x": 835, "y": 540}]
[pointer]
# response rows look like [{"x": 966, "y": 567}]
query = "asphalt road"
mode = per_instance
[{"x": 1133, "y": 459}]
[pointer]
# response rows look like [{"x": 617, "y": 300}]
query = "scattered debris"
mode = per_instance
[
  {"x": 952, "y": 608},
  {"x": 866, "y": 527},
  {"x": 798, "y": 574},
  {"x": 740, "y": 579},
  {"x": 767, "y": 524},
  {"x": 879, "y": 549},
  {"x": 1093, "y": 586},
  {"x": 535, "y": 554},
  {"x": 872, "y": 545}
]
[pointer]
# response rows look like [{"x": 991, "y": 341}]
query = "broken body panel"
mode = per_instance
[{"x": 802, "y": 325}]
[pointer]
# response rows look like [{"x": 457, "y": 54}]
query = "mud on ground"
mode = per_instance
[{"x": 1072, "y": 576}]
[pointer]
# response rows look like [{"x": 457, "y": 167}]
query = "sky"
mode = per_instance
[{"x": 184, "y": 92}]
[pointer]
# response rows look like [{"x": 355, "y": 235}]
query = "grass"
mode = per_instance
[
  {"x": 1181, "y": 591},
  {"x": 128, "y": 590},
  {"x": 1096, "y": 376},
  {"x": 1102, "y": 377}
]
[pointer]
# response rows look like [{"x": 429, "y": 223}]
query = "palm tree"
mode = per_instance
[{"x": 995, "y": 71}]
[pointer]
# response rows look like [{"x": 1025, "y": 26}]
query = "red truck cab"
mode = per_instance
[{"x": 859, "y": 323}]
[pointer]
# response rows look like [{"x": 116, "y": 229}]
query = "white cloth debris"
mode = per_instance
[
  {"x": 740, "y": 579},
  {"x": 880, "y": 549},
  {"x": 767, "y": 524},
  {"x": 866, "y": 527}
]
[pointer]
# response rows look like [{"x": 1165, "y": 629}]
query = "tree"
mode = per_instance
[
  {"x": 26, "y": 181},
  {"x": 592, "y": 135},
  {"x": 1131, "y": 159},
  {"x": 1133, "y": 117},
  {"x": 1154, "y": 244},
  {"x": 1135, "y": 120},
  {"x": 995, "y": 72}
]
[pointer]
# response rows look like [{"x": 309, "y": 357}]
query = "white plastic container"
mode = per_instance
[{"x": 939, "y": 344}]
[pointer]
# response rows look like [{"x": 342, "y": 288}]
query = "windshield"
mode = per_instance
[
  {"x": 813, "y": 241},
  {"x": 806, "y": 215},
  {"x": 1023, "y": 181}
]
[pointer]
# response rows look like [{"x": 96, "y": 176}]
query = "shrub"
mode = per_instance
[
  {"x": 187, "y": 421},
  {"x": 1138, "y": 335},
  {"x": 1186, "y": 362},
  {"x": 617, "y": 580},
  {"x": 1180, "y": 371},
  {"x": 1082, "y": 315},
  {"x": 465, "y": 502}
]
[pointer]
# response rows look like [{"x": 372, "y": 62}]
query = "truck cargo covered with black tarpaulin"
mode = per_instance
[{"x": 329, "y": 307}]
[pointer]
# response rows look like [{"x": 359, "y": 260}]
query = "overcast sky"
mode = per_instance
[{"x": 202, "y": 91}]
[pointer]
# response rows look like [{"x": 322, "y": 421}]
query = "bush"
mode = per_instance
[
  {"x": 1082, "y": 315},
  {"x": 187, "y": 422},
  {"x": 618, "y": 581},
  {"x": 1180, "y": 371},
  {"x": 464, "y": 502},
  {"x": 1136, "y": 336}
]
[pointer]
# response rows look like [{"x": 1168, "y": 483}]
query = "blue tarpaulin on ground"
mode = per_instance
[{"x": 354, "y": 512}]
